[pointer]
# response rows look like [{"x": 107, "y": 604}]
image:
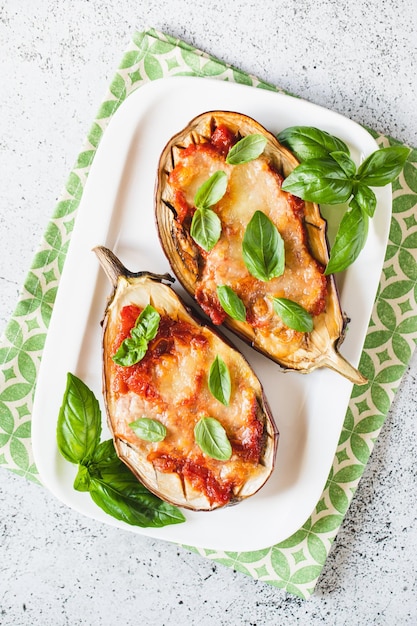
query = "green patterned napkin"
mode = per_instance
[{"x": 295, "y": 563}]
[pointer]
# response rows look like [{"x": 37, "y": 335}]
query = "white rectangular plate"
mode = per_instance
[{"x": 117, "y": 210}]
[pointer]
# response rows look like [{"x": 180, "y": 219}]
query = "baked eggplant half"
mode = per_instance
[
  {"x": 216, "y": 199},
  {"x": 187, "y": 413}
]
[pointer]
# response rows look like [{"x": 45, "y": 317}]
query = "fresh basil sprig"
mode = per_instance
[
  {"x": 246, "y": 149},
  {"x": 231, "y": 303},
  {"x": 149, "y": 429},
  {"x": 206, "y": 227},
  {"x": 263, "y": 248},
  {"x": 109, "y": 482},
  {"x": 293, "y": 315},
  {"x": 212, "y": 439},
  {"x": 328, "y": 175},
  {"x": 133, "y": 349},
  {"x": 219, "y": 381}
]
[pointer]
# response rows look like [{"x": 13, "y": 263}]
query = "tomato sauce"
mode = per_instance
[
  {"x": 200, "y": 476},
  {"x": 138, "y": 378}
]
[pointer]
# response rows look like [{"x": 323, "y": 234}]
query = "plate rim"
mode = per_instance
[{"x": 141, "y": 94}]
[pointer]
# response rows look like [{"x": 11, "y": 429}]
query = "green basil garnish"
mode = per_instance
[
  {"x": 246, "y": 149},
  {"x": 319, "y": 180},
  {"x": 263, "y": 248},
  {"x": 307, "y": 142},
  {"x": 212, "y": 439},
  {"x": 118, "y": 492},
  {"x": 328, "y": 175},
  {"x": 350, "y": 239},
  {"x": 79, "y": 422},
  {"x": 111, "y": 485},
  {"x": 219, "y": 381},
  {"x": 133, "y": 349},
  {"x": 293, "y": 315},
  {"x": 206, "y": 228},
  {"x": 383, "y": 166},
  {"x": 149, "y": 429},
  {"x": 345, "y": 162},
  {"x": 231, "y": 303},
  {"x": 211, "y": 191},
  {"x": 366, "y": 199}
]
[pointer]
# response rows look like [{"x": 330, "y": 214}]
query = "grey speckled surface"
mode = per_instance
[{"x": 56, "y": 59}]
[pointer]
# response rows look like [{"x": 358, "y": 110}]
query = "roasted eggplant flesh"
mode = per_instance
[
  {"x": 169, "y": 385},
  {"x": 189, "y": 159}
]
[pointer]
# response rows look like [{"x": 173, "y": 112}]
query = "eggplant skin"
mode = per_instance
[
  {"x": 189, "y": 158},
  {"x": 170, "y": 384}
]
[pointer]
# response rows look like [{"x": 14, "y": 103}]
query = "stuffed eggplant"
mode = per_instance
[
  {"x": 187, "y": 414},
  {"x": 249, "y": 214}
]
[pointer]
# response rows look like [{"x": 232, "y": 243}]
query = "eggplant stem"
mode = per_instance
[
  {"x": 335, "y": 361},
  {"x": 114, "y": 268}
]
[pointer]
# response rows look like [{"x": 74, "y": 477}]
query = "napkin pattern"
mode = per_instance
[{"x": 294, "y": 564}]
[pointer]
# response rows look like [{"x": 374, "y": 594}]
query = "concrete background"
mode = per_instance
[{"x": 57, "y": 57}]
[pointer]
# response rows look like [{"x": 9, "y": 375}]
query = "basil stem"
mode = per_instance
[
  {"x": 231, "y": 303},
  {"x": 206, "y": 228},
  {"x": 211, "y": 191},
  {"x": 293, "y": 315},
  {"x": 133, "y": 349},
  {"x": 307, "y": 142},
  {"x": 247, "y": 149},
  {"x": 149, "y": 429},
  {"x": 263, "y": 248},
  {"x": 350, "y": 239},
  {"x": 219, "y": 381},
  {"x": 212, "y": 439}
]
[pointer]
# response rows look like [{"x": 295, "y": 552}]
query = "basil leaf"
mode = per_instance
[
  {"x": 122, "y": 496},
  {"x": 149, "y": 429},
  {"x": 383, "y": 166},
  {"x": 82, "y": 480},
  {"x": 133, "y": 349},
  {"x": 79, "y": 422},
  {"x": 205, "y": 228},
  {"x": 350, "y": 239},
  {"x": 104, "y": 456},
  {"x": 247, "y": 149},
  {"x": 231, "y": 303},
  {"x": 263, "y": 248},
  {"x": 345, "y": 162},
  {"x": 366, "y": 199},
  {"x": 212, "y": 439},
  {"x": 319, "y": 180},
  {"x": 307, "y": 142},
  {"x": 211, "y": 191},
  {"x": 293, "y": 315},
  {"x": 148, "y": 322},
  {"x": 219, "y": 381}
]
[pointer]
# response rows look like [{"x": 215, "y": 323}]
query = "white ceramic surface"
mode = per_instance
[{"x": 117, "y": 211}]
